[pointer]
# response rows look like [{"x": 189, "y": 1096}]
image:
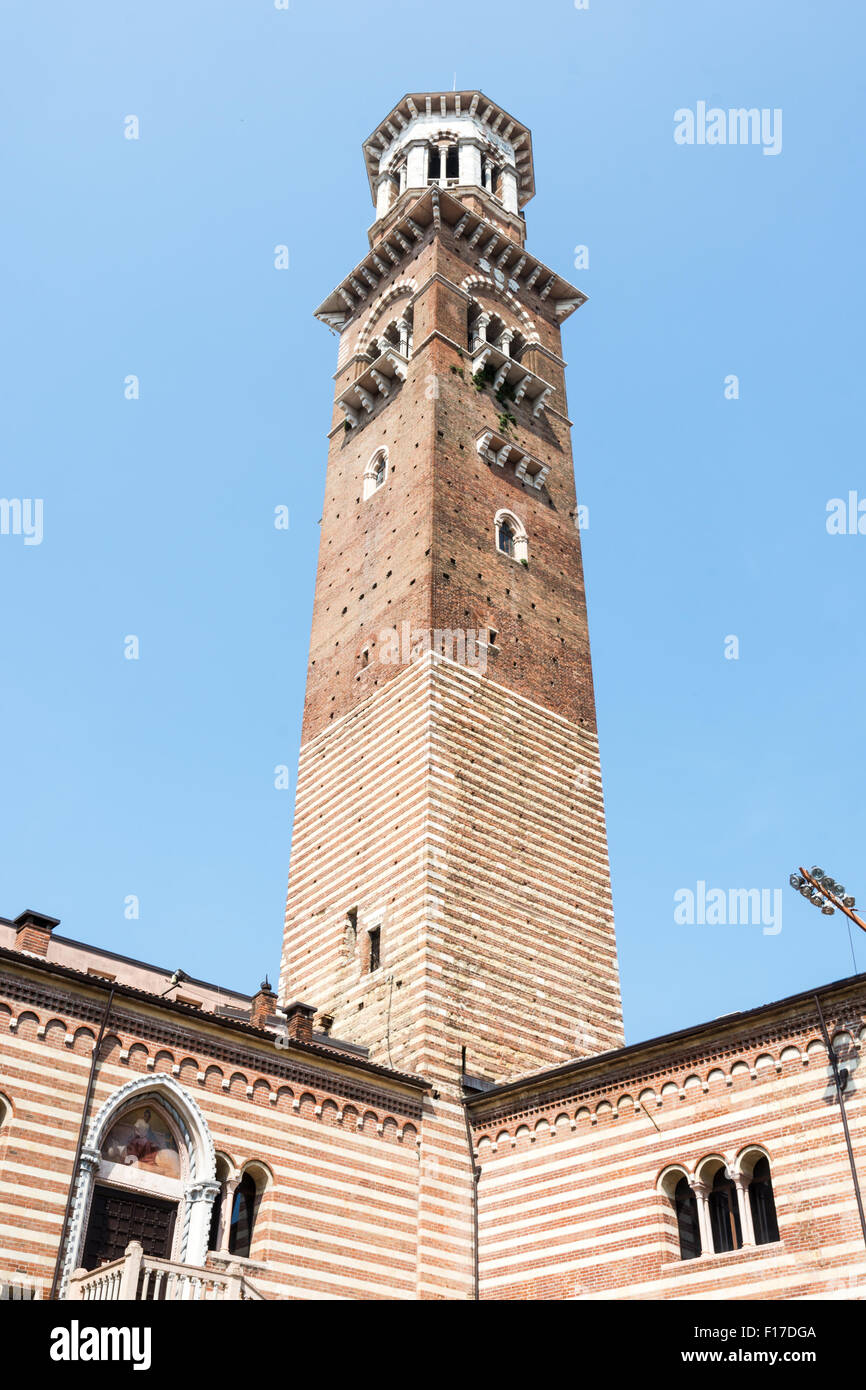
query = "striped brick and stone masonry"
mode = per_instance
[
  {"x": 449, "y": 900},
  {"x": 437, "y": 1104},
  {"x": 449, "y": 796},
  {"x": 331, "y": 1141},
  {"x": 579, "y": 1165}
]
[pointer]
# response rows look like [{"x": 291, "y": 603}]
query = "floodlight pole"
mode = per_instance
[
  {"x": 840, "y": 1079},
  {"x": 818, "y": 885},
  {"x": 840, "y": 1092}
]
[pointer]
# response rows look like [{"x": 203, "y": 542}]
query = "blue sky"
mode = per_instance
[{"x": 154, "y": 257}]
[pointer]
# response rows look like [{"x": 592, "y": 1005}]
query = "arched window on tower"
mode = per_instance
[
  {"x": 396, "y": 335},
  {"x": 487, "y": 327},
  {"x": 443, "y": 162},
  {"x": 376, "y": 472},
  {"x": 491, "y": 176},
  {"x": 511, "y": 537}
]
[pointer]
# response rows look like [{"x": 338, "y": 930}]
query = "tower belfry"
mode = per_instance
[{"x": 449, "y": 900}]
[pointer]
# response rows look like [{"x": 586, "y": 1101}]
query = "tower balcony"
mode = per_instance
[
  {"x": 498, "y": 450},
  {"x": 376, "y": 382},
  {"x": 487, "y": 357},
  {"x": 137, "y": 1277}
]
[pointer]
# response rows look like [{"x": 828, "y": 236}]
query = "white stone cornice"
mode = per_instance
[{"x": 432, "y": 208}]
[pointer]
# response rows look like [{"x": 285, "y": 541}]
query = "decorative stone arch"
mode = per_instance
[
  {"x": 667, "y": 1180},
  {"x": 196, "y": 1188},
  {"x": 520, "y": 538},
  {"x": 261, "y": 1172},
  {"x": 746, "y": 1159},
  {"x": 6, "y": 1111},
  {"x": 225, "y": 1166},
  {"x": 709, "y": 1165},
  {"x": 400, "y": 289},
  {"x": 502, "y": 293}
]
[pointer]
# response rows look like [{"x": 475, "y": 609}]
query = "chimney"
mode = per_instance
[
  {"x": 264, "y": 1004},
  {"x": 299, "y": 1020},
  {"x": 33, "y": 931}
]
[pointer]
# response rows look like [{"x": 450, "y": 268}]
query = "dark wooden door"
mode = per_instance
[{"x": 117, "y": 1217}]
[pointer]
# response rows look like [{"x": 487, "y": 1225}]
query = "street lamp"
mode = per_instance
[{"x": 823, "y": 891}]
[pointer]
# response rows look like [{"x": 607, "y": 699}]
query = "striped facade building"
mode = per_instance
[{"x": 436, "y": 1102}]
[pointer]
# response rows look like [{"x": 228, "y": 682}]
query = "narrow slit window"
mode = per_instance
[{"x": 375, "y": 948}]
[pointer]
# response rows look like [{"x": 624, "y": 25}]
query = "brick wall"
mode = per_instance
[
  {"x": 569, "y": 1199},
  {"x": 338, "y": 1218}
]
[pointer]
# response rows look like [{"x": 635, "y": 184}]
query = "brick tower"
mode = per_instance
[{"x": 449, "y": 899}]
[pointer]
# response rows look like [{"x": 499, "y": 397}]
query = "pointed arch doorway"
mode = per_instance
[{"x": 147, "y": 1174}]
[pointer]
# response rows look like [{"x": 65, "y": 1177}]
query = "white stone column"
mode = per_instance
[
  {"x": 443, "y": 165},
  {"x": 403, "y": 330},
  {"x": 230, "y": 1188},
  {"x": 747, "y": 1226},
  {"x": 509, "y": 189},
  {"x": 702, "y": 1193},
  {"x": 383, "y": 195},
  {"x": 201, "y": 1197},
  {"x": 416, "y": 164},
  {"x": 479, "y": 330},
  {"x": 470, "y": 163},
  {"x": 83, "y": 1180}
]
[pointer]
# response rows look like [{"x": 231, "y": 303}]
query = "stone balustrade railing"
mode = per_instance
[{"x": 139, "y": 1277}]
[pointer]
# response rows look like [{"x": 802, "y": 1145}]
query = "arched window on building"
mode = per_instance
[
  {"x": 681, "y": 1200},
  {"x": 753, "y": 1169},
  {"x": 511, "y": 538},
  {"x": 724, "y": 1213},
  {"x": 763, "y": 1204},
  {"x": 688, "y": 1224},
  {"x": 376, "y": 472},
  {"x": 243, "y": 1216}
]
